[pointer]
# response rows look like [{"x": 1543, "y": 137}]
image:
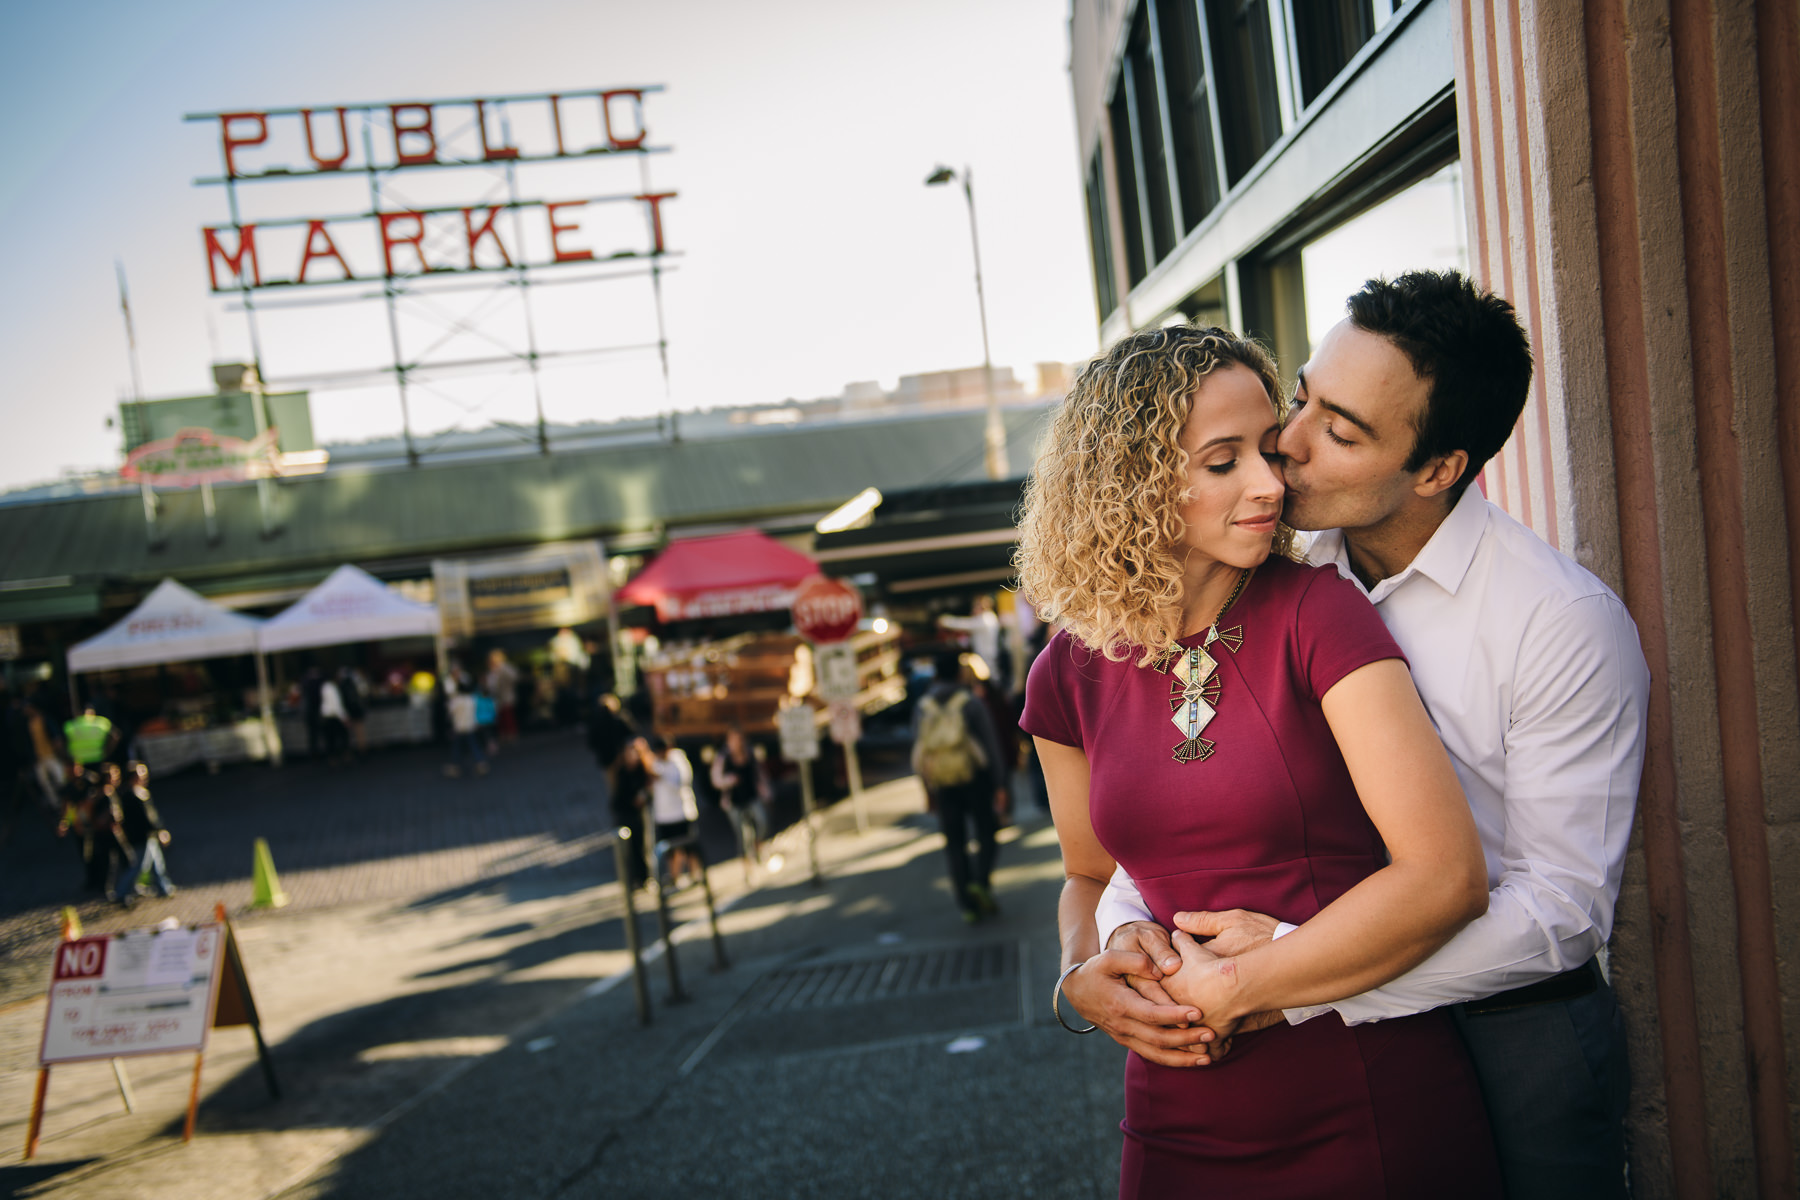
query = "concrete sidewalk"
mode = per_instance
[{"x": 864, "y": 1042}]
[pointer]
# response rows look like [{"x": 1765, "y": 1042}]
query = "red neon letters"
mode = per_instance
[
  {"x": 314, "y": 231},
  {"x": 606, "y": 111},
  {"x": 485, "y": 229},
  {"x": 654, "y": 200},
  {"x": 312, "y": 150},
  {"x": 556, "y": 230},
  {"x": 463, "y": 236},
  {"x": 289, "y": 142},
  {"x": 232, "y": 144},
  {"x": 421, "y": 129},
  {"x": 490, "y": 153},
  {"x": 401, "y": 237},
  {"x": 246, "y": 249},
  {"x": 415, "y": 239}
]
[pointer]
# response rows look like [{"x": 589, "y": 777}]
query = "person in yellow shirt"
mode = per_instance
[{"x": 90, "y": 738}]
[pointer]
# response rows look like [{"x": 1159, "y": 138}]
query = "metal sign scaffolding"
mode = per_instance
[{"x": 399, "y": 252}]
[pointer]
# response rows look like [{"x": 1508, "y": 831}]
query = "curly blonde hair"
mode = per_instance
[{"x": 1101, "y": 518}]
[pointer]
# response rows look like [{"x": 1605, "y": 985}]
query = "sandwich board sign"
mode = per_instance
[{"x": 143, "y": 992}]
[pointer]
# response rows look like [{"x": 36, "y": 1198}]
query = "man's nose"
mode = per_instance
[{"x": 1291, "y": 444}]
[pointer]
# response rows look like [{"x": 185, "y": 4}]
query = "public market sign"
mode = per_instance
[
  {"x": 196, "y": 456},
  {"x": 390, "y": 241}
]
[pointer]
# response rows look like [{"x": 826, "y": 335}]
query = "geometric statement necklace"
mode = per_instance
[{"x": 1194, "y": 692}]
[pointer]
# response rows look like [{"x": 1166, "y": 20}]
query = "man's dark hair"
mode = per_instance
[
  {"x": 1468, "y": 345},
  {"x": 947, "y": 666}
]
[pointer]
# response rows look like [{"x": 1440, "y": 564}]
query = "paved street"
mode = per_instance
[
  {"x": 445, "y": 1001},
  {"x": 386, "y": 828}
]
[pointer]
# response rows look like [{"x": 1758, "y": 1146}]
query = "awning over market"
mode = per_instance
[
  {"x": 173, "y": 624},
  {"x": 351, "y": 605},
  {"x": 719, "y": 576}
]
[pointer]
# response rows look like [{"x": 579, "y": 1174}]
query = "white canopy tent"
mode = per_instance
[
  {"x": 176, "y": 624},
  {"x": 173, "y": 624},
  {"x": 351, "y": 605}
]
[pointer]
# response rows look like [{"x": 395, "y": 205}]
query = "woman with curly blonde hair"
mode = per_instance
[{"x": 1238, "y": 730}]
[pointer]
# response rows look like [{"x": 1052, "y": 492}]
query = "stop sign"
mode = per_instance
[{"x": 826, "y": 610}]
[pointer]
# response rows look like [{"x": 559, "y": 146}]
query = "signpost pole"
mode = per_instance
[
  {"x": 37, "y": 1113},
  {"x": 193, "y": 1110},
  {"x": 812, "y": 825},
  {"x": 622, "y": 867},
  {"x": 853, "y": 769},
  {"x": 124, "y": 1083}
]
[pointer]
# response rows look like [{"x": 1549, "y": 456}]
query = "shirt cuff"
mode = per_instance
[{"x": 1296, "y": 1015}]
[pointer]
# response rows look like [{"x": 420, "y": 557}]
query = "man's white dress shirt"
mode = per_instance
[{"x": 1532, "y": 672}]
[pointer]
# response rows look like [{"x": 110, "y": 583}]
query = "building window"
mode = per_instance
[
  {"x": 1420, "y": 228},
  {"x": 1100, "y": 238},
  {"x": 1125, "y": 171},
  {"x": 1190, "y": 109},
  {"x": 1147, "y": 123},
  {"x": 1243, "y": 55},
  {"x": 1327, "y": 35}
]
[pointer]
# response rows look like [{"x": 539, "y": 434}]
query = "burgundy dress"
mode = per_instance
[{"x": 1268, "y": 822}]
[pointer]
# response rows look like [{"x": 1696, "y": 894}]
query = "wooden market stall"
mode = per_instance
[{"x": 701, "y": 689}]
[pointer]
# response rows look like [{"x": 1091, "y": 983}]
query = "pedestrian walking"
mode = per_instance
[
  {"x": 334, "y": 722},
  {"x": 311, "y": 698},
  {"x": 629, "y": 787},
  {"x": 609, "y": 732},
  {"x": 958, "y": 759},
  {"x": 354, "y": 694},
  {"x": 466, "y": 749},
  {"x": 1005, "y": 721},
  {"x": 743, "y": 787},
  {"x": 90, "y": 738},
  {"x": 502, "y": 683},
  {"x": 47, "y": 762},
  {"x": 672, "y": 804},
  {"x": 983, "y": 627},
  {"x": 144, "y": 833},
  {"x": 93, "y": 816}
]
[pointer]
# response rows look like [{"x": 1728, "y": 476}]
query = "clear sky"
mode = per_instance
[{"x": 801, "y": 130}]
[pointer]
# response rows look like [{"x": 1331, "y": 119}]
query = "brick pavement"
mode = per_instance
[{"x": 389, "y": 827}]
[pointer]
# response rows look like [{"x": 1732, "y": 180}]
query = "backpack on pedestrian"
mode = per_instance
[{"x": 945, "y": 752}]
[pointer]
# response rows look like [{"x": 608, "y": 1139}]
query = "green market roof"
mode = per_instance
[{"x": 71, "y": 557}]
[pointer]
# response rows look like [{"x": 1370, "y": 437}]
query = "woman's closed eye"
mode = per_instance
[{"x": 1224, "y": 468}]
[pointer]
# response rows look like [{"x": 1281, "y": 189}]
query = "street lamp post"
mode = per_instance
[{"x": 997, "y": 467}]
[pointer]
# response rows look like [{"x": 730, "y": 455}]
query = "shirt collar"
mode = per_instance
[{"x": 1444, "y": 559}]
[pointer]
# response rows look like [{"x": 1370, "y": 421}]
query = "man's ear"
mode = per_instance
[{"x": 1440, "y": 474}]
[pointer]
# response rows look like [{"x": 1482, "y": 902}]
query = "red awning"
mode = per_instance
[{"x": 719, "y": 576}]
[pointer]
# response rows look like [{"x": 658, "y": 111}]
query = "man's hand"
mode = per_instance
[
  {"x": 1231, "y": 933},
  {"x": 1149, "y": 941},
  {"x": 1162, "y": 1033},
  {"x": 1249, "y": 1024}
]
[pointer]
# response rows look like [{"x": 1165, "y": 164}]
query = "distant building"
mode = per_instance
[{"x": 230, "y": 411}]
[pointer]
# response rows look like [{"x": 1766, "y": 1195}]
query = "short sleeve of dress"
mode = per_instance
[
  {"x": 1049, "y": 708},
  {"x": 1337, "y": 631}
]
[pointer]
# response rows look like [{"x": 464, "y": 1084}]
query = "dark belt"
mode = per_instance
[{"x": 1577, "y": 981}]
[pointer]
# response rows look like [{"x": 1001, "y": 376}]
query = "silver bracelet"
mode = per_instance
[{"x": 1056, "y": 996}]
